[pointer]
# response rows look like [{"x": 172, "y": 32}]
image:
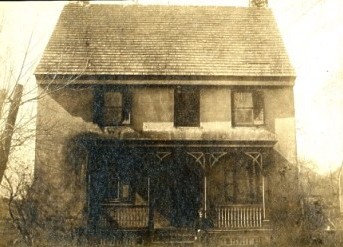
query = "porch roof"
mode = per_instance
[
  {"x": 237, "y": 136},
  {"x": 99, "y": 39}
]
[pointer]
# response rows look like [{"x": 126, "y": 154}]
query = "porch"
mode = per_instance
[
  {"x": 233, "y": 225},
  {"x": 228, "y": 217},
  {"x": 150, "y": 188}
]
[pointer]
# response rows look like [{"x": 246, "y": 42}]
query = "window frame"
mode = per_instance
[
  {"x": 99, "y": 106},
  {"x": 255, "y": 94},
  {"x": 179, "y": 119},
  {"x": 123, "y": 190}
]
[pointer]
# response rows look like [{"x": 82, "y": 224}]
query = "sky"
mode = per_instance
[{"x": 313, "y": 35}]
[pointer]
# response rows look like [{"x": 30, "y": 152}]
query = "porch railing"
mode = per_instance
[
  {"x": 124, "y": 216},
  {"x": 239, "y": 216}
]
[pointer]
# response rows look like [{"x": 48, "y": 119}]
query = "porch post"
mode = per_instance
[
  {"x": 263, "y": 191},
  {"x": 205, "y": 195},
  {"x": 151, "y": 187},
  {"x": 257, "y": 159},
  {"x": 151, "y": 206},
  {"x": 263, "y": 199},
  {"x": 149, "y": 162},
  {"x": 206, "y": 161}
]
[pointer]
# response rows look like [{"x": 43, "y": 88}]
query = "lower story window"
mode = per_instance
[{"x": 118, "y": 190}]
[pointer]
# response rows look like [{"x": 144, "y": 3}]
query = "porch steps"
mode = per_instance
[
  {"x": 173, "y": 237},
  {"x": 240, "y": 238}
]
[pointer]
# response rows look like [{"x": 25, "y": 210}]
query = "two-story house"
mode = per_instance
[{"x": 149, "y": 114}]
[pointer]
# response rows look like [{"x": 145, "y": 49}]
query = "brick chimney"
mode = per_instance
[{"x": 259, "y": 3}]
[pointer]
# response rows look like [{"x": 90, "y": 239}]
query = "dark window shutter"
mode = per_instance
[
  {"x": 98, "y": 104},
  {"x": 187, "y": 107}
]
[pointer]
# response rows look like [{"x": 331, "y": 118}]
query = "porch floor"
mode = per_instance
[{"x": 184, "y": 237}]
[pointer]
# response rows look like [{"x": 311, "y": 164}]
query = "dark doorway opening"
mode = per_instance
[{"x": 177, "y": 193}]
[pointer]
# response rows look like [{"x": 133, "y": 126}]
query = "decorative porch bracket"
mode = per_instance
[
  {"x": 206, "y": 162},
  {"x": 162, "y": 155},
  {"x": 257, "y": 159},
  {"x": 212, "y": 158},
  {"x": 159, "y": 155}
]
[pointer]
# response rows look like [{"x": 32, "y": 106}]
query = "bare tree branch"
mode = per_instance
[{"x": 5, "y": 146}]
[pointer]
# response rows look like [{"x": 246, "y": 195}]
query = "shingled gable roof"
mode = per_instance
[{"x": 151, "y": 40}]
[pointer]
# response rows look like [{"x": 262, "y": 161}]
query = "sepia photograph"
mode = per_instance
[{"x": 169, "y": 123}]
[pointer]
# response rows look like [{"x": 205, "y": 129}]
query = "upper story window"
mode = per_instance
[
  {"x": 248, "y": 108},
  {"x": 112, "y": 106},
  {"x": 186, "y": 107}
]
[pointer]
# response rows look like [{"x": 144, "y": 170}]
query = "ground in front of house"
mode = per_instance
[{"x": 9, "y": 236}]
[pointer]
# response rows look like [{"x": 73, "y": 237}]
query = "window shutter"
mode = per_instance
[
  {"x": 187, "y": 107},
  {"x": 98, "y": 103}
]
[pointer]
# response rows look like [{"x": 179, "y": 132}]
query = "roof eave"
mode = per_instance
[{"x": 219, "y": 80}]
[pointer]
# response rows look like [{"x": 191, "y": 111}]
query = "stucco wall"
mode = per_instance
[
  {"x": 153, "y": 108},
  {"x": 63, "y": 114},
  {"x": 279, "y": 113},
  {"x": 67, "y": 113},
  {"x": 215, "y": 108}
]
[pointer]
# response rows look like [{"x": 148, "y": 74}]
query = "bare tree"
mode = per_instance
[
  {"x": 18, "y": 94},
  {"x": 20, "y": 206},
  {"x": 28, "y": 208},
  {"x": 6, "y": 137},
  {"x": 2, "y": 100}
]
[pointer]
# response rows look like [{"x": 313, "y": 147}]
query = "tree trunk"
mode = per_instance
[
  {"x": 2, "y": 100},
  {"x": 6, "y": 137}
]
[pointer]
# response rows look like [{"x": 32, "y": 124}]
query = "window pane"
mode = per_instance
[
  {"x": 113, "y": 189},
  {"x": 248, "y": 108},
  {"x": 258, "y": 108},
  {"x": 258, "y": 100},
  {"x": 113, "y": 99},
  {"x": 244, "y": 116},
  {"x": 112, "y": 115},
  {"x": 258, "y": 116},
  {"x": 126, "y": 191},
  {"x": 243, "y": 100}
]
